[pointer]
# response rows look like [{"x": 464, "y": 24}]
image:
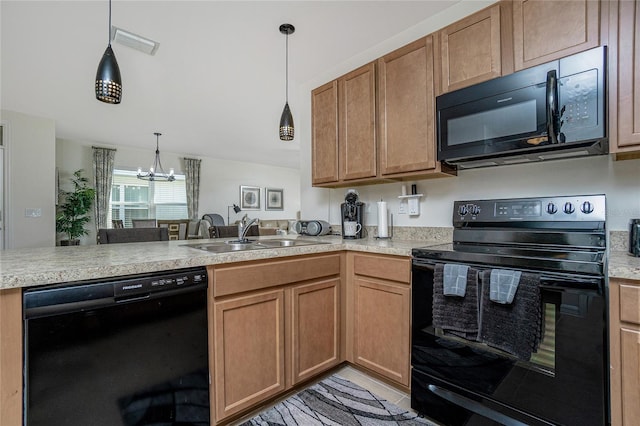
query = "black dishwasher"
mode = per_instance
[{"x": 129, "y": 351}]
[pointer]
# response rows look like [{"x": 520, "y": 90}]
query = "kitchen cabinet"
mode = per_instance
[
  {"x": 343, "y": 121},
  {"x": 625, "y": 351},
  {"x": 379, "y": 319},
  {"x": 544, "y": 31},
  {"x": 315, "y": 334},
  {"x": 248, "y": 351},
  {"x": 11, "y": 357},
  {"x": 473, "y": 49},
  {"x": 324, "y": 138},
  {"x": 624, "y": 73},
  {"x": 357, "y": 123},
  {"x": 275, "y": 323},
  {"x": 406, "y": 112}
]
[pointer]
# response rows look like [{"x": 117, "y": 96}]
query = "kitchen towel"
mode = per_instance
[
  {"x": 516, "y": 327},
  {"x": 456, "y": 315},
  {"x": 455, "y": 279},
  {"x": 503, "y": 285}
]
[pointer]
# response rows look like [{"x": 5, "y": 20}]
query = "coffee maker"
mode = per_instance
[{"x": 352, "y": 210}]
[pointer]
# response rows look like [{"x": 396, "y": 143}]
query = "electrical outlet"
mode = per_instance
[
  {"x": 414, "y": 206},
  {"x": 402, "y": 209}
]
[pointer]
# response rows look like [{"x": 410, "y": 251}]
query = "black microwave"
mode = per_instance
[{"x": 551, "y": 111}]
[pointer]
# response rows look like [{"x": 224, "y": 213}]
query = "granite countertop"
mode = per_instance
[
  {"x": 623, "y": 265},
  {"x": 48, "y": 265},
  {"x": 38, "y": 266}
]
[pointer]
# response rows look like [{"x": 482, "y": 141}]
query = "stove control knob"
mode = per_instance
[
  {"x": 568, "y": 208},
  {"x": 462, "y": 210},
  {"x": 551, "y": 208},
  {"x": 474, "y": 209},
  {"x": 587, "y": 207}
]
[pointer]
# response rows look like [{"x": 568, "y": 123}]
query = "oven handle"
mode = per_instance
[
  {"x": 546, "y": 278},
  {"x": 474, "y": 406}
]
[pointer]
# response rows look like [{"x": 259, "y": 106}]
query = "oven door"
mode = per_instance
[{"x": 459, "y": 382}]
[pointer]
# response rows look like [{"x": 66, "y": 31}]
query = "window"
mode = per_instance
[{"x": 133, "y": 198}]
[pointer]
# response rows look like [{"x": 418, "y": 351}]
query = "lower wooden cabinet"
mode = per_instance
[
  {"x": 275, "y": 323},
  {"x": 625, "y": 351},
  {"x": 315, "y": 328},
  {"x": 380, "y": 315},
  {"x": 248, "y": 351},
  {"x": 11, "y": 357}
]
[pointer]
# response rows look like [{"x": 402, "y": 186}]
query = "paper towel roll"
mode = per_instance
[{"x": 383, "y": 226}]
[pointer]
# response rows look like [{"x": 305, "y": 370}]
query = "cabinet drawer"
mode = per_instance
[
  {"x": 383, "y": 267},
  {"x": 243, "y": 277},
  {"x": 629, "y": 302}
]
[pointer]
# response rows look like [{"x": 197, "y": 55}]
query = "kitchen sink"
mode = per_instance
[{"x": 238, "y": 245}]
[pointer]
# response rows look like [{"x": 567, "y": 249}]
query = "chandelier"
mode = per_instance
[{"x": 156, "y": 172}]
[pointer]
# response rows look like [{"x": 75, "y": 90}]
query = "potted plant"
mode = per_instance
[{"x": 73, "y": 212}]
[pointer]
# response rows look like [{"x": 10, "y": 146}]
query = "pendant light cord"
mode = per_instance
[
  {"x": 286, "y": 72},
  {"x": 109, "y": 33}
]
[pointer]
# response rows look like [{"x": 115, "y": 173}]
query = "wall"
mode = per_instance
[
  {"x": 619, "y": 181},
  {"x": 220, "y": 180},
  {"x": 30, "y": 180}
]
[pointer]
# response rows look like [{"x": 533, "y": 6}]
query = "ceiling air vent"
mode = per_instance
[{"x": 134, "y": 41}]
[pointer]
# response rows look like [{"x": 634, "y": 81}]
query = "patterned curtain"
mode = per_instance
[
  {"x": 103, "y": 173},
  {"x": 192, "y": 183}
]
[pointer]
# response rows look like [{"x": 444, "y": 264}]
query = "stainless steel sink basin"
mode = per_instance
[{"x": 237, "y": 245}]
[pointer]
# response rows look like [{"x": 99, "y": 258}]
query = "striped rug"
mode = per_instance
[{"x": 335, "y": 401}]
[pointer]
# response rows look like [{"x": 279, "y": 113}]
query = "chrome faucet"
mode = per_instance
[{"x": 243, "y": 227}]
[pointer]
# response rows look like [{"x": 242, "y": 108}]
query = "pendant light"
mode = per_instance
[
  {"x": 156, "y": 172},
  {"x": 108, "y": 80},
  {"x": 286, "y": 120}
]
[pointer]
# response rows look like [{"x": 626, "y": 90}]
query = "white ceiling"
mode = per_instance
[{"x": 216, "y": 85}]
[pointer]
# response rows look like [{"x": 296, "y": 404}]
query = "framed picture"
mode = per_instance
[
  {"x": 249, "y": 197},
  {"x": 273, "y": 199}
]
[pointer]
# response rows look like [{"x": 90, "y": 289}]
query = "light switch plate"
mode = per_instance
[{"x": 32, "y": 212}]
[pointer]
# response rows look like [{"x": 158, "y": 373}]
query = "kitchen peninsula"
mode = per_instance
[{"x": 18, "y": 270}]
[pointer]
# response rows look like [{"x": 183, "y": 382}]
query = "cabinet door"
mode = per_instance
[
  {"x": 625, "y": 17},
  {"x": 406, "y": 109},
  {"x": 315, "y": 328},
  {"x": 11, "y": 357},
  {"x": 470, "y": 50},
  {"x": 324, "y": 139},
  {"x": 357, "y": 136},
  {"x": 249, "y": 351},
  {"x": 547, "y": 30},
  {"x": 630, "y": 362},
  {"x": 382, "y": 327}
]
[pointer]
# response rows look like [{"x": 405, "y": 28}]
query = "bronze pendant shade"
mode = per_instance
[
  {"x": 108, "y": 80},
  {"x": 286, "y": 120}
]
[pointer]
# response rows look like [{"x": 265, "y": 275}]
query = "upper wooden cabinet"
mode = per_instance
[
  {"x": 324, "y": 138},
  {"x": 357, "y": 123},
  {"x": 624, "y": 67},
  {"x": 547, "y": 30},
  {"x": 473, "y": 49},
  {"x": 406, "y": 115},
  {"x": 343, "y": 121}
]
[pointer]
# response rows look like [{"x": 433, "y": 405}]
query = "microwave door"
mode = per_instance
[{"x": 510, "y": 121}]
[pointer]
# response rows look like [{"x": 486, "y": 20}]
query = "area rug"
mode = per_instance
[{"x": 335, "y": 401}]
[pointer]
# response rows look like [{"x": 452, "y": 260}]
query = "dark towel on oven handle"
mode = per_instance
[
  {"x": 453, "y": 314},
  {"x": 515, "y": 328}
]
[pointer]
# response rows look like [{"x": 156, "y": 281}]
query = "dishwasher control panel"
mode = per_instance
[{"x": 163, "y": 282}]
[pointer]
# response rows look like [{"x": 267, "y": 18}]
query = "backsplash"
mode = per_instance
[{"x": 408, "y": 233}]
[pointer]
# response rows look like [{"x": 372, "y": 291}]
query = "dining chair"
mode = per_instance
[
  {"x": 132, "y": 235},
  {"x": 117, "y": 224},
  {"x": 143, "y": 223},
  {"x": 178, "y": 228}
]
